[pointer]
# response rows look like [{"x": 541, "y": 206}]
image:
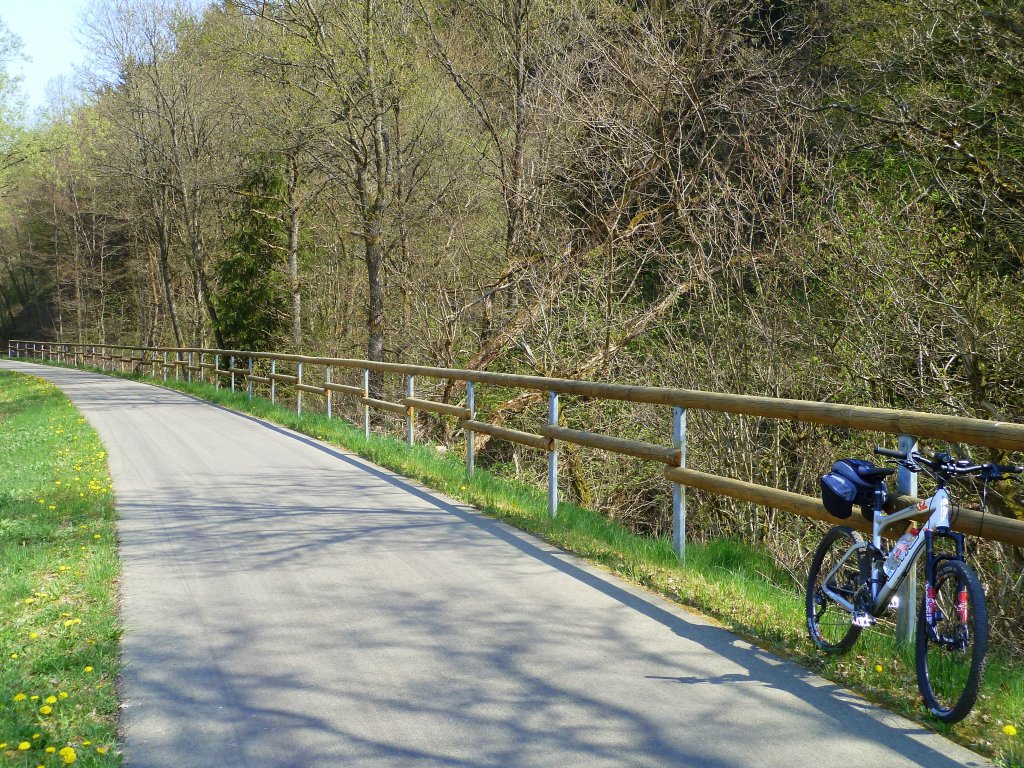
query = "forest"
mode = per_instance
[{"x": 812, "y": 199}]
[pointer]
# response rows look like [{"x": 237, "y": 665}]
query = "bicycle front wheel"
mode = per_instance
[
  {"x": 829, "y": 625},
  {"x": 951, "y": 648}
]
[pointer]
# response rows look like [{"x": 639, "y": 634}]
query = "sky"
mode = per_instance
[{"x": 47, "y": 32}]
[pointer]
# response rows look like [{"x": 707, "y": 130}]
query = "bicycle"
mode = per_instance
[{"x": 853, "y": 582}]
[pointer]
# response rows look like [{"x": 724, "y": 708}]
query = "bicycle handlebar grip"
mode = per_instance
[
  {"x": 1008, "y": 469},
  {"x": 890, "y": 453}
]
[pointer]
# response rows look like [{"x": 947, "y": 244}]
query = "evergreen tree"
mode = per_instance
[{"x": 252, "y": 301}]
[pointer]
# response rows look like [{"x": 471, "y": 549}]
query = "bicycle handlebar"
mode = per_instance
[{"x": 946, "y": 464}]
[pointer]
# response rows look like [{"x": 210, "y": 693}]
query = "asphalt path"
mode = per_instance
[{"x": 287, "y": 604}]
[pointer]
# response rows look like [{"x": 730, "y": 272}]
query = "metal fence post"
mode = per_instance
[
  {"x": 327, "y": 392},
  {"x": 553, "y": 457},
  {"x": 216, "y": 371},
  {"x": 906, "y": 483},
  {"x": 188, "y": 368},
  {"x": 470, "y": 446},
  {"x": 298, "y": 393},
  {"x": 231, "y": 366},
  {"x": 410, "y": 414},
  {"x": 249, "y": 377},
  {"x": 366, "y": 408},
  {"x": 678, "y": 491},
  {"x": 273, "y": 381}
]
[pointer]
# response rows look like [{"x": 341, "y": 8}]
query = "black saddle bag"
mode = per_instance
[{"x": 846, "y": 485}]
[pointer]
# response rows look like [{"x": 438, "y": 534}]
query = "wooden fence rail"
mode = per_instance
[{"x": 993, "y": 434}]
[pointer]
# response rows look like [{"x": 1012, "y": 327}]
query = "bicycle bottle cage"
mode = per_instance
[{"x": 853, "y": 481}]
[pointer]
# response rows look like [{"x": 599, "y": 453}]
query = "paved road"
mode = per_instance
[{"x": 287, "y": 604}]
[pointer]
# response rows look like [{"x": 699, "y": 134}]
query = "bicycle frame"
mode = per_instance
[{"x": 882, "y": 589}]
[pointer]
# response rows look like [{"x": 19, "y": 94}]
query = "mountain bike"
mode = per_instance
[{"x": 853, "y": 582}]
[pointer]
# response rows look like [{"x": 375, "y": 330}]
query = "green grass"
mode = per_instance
[
  {"x": 740, "y": 587},
  {"x": 58, "y": 569}
]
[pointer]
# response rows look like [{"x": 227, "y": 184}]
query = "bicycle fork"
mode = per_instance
[{"x": 933, "y": 614}]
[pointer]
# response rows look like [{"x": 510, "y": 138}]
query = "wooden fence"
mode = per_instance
[{"x": 231, "y": 366}]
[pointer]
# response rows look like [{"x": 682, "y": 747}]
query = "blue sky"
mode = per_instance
[{"x": 47, "y": 30}]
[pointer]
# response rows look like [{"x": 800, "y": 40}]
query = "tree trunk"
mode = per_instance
[
  {"x": 293, "y": 253},
  {"x": 163, "y": 257}
]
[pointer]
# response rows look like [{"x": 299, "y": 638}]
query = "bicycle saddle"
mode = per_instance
[{"x": 874, "y": 474}]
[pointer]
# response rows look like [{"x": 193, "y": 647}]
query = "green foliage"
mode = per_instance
[
  {"x": 12, "y": 130},
  {"x": 252, "y": 302}
]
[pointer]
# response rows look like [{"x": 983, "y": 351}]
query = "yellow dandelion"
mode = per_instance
[
  {"x": 33, "y": 635},
  {"x": 86, "y": 743},
  {"x": 51, "y": 699},
  {"x": 57, "y": 482},
  {"x": 23, "y": 746},
  {"x": 14, "y": 656},
  {"x": 1010, "y": 730},
  {"x": 68, "y": 755},
  {"x": 51, "y": 750},
  {"x": 45, "y": 710},
  {"x": 102, "y": 750},
  {"x": 19, "y": 697},
  {"x": 96, "y": 536},
  {"x": 52, "y": 506},
  {"x": 88, "y": 669},
  {"x": 878, "y": 667},
  {"x": 63, "y": 694},
  {"x": 29, "y": 600},
  {"x": 33, "y": 698},
  {"x": 3, "y": 745}
]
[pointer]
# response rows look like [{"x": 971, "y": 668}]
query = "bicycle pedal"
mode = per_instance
[{"x": 863, "y": 620}]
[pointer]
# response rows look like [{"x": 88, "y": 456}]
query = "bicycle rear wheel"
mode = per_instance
[
  {"x": 829, "y": 625},
  {"x": 950, "y": 653}
]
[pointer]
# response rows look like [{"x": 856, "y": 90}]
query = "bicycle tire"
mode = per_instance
[
  {"x": 829, "y": 625},
  {"x": 950, "y": 657}
]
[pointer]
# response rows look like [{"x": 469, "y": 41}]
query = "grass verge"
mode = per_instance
[
  {"x": 58, "y": 570},
  {"x": 725, "y": 580}
]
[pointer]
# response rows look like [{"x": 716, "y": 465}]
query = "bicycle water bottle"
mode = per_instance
[{"x": 899, "y": 551}]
